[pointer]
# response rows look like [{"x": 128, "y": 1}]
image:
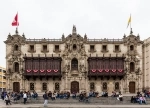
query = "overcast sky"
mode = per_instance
[{"x": 52, "y": 18}]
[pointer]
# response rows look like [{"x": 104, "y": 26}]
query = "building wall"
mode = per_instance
[
  {"x": 2, "y": 79},
  {"x": 146, "y": 63},
  {"x": 138, "y": 76}
]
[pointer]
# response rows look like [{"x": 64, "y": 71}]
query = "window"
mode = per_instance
[
  {"x": 44, "y": 47},
  {"x": 4, "y": 77},
  {"x": 16, "y": 47},
  {"x": 104, "y": 86},
  {"x": 31, "y": 86},
  {"x": 117, "y": 86},
  {"x": 57, "y": 48},
  {"x": 16, "y": 67},
  {"x": 116, "y": 48},
  {"x": 92, "y": 48},
  {"x": 4, "y": 71},
  {"x": 44, "y": 86},
  {"x": 56, "y": 86},
  {"x": 32, "y": 48},
  {"x": 104, "y": 48},
  {"x": 131, "y": 47},
  {"x": 0, "y": 70},
  {"x": 74, "y": 64},
  {"x": 74, "y": 47},
  {"x": 132, "y": 66},
  {"x": 92, "y": 86}
]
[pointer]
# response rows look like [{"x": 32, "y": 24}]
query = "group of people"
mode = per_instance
[
  {"x": 7, "y": 97},
  {"x": 82, "y": 97},
  {"x": 139, "y": 98}
]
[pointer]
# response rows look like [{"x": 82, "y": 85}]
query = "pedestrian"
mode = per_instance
[
  {"x": 25, "y": 97},
  {"x": 45, "y": 96},
  {"x": 7, "y": 99}
]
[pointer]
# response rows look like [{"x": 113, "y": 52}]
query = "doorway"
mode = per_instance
[
  {"x": 16, "y": 86},
  {"x": 132, "y": 87},
  {"x": 74, "y": 87}
]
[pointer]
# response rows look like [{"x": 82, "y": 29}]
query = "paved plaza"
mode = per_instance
[{"x": 3, "y": 105}]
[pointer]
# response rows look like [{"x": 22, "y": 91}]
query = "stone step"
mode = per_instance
[{"x": 104, "y": 101}]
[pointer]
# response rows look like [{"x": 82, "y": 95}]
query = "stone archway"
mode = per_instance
[
  {"x": 132, "y": 87},
  {"x": 74, "y": 87},
  {"x": 16, "y": 86}
]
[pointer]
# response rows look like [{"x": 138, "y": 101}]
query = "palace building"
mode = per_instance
[{"x": 75, "y": 63}]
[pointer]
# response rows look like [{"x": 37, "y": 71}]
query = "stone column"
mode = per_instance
[{"x": 66, "y": 85}]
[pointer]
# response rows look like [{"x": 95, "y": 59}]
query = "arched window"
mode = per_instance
[
  {"x": 131, "y": 47},
  {"x": 132, "y": 66},
  {"x": 92, "y": 86},
  {"x": 74, "y": 47},
  {"x": 57, "y": 86},
  {"x": 104, "y": 86},
  {"x": 31, "y": 86},
  {"x": 117, "y": 86},
  {"x": 16, "y": 47},
  {"x": 74, "y": 64},
  {"x": 44, "y": 86},
  {"x": 16, "y": 67}
]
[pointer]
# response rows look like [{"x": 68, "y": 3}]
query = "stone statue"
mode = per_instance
[
  {"x": 82, "y": 68},
  {"x": 83, "y": 50},
  {"x": 67, "y": 68}
]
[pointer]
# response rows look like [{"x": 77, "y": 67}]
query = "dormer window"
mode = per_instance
[
  {"x": 131, "y": 47},
  {"x": 16, "y": 47},
  {"x": 74, "y": 47}
]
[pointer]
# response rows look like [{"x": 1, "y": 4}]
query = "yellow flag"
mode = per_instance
[{"x": 129, "y": 21}]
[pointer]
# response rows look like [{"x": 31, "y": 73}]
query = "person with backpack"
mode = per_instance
[{"x": 45, "y": 96}]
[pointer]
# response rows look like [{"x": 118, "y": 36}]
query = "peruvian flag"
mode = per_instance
[{"x": 15, "y": 21}]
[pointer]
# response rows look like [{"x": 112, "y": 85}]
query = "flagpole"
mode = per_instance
[
  {"x": 130, "y": 22},
  {"x": 17, "y": 24}
]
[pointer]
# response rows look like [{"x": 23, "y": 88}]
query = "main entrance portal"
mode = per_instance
[
  {"x": 16, "y": 86},
  {"x": 74, "y": 87}
]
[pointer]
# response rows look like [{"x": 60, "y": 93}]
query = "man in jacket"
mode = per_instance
[{"x": 45, "y": 96}]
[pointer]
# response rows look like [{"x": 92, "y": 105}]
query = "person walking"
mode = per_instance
[
  {"x": 45, "y": 96},
  {"x": 25, "y": 97},
  {"x": 7, "y": 99}
]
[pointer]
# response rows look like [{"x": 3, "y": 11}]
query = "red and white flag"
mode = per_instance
[{"x": 15, "y": 21}]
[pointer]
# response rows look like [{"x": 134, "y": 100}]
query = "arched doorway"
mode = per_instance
[
  {"x": 16, "y": 86},
  {"x": 132, "y": 87},
  {"x": 74, "y": 87}
]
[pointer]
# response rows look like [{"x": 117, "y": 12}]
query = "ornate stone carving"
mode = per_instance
[
  {"x": 16, "y": 77},
  {"x": 132, "y": 77},
  {"x": 67, "y": 68},
  {"x": 82, "y": 68}
]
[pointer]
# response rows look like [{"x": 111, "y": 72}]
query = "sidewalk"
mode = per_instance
[{"x": 3, "y": 105}]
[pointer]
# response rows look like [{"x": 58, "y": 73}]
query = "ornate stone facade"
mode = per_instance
[{"x": 74, "y": 51}]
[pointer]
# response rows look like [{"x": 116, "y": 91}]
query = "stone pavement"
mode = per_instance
[{"x": 83, "y": 105}]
